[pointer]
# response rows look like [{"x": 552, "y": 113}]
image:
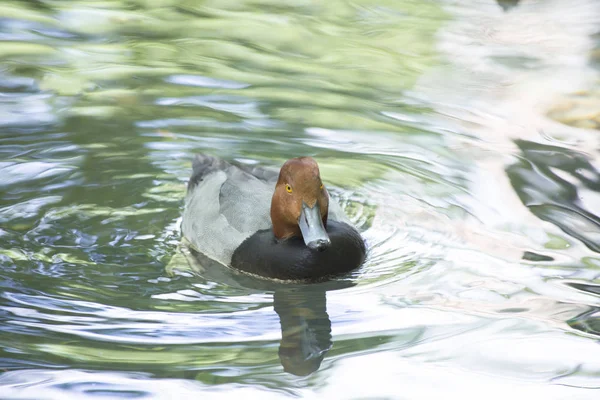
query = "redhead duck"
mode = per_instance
[{"x": 302, "y": 236}]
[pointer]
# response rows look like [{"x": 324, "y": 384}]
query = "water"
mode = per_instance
[{"x": 461, "y": 138}]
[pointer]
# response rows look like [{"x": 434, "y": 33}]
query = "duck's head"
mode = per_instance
[{"x": 300, "y": 204}]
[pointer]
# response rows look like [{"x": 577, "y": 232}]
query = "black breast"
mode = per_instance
[{"x": 262, "y": 254}]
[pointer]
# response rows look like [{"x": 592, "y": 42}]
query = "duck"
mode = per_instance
[{"x": 279, "y": 225}]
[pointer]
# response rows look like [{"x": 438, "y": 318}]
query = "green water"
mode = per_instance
[{"x": 430, "y": 123}]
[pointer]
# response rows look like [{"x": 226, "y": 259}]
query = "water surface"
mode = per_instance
[{"x": 462, "y": 139}]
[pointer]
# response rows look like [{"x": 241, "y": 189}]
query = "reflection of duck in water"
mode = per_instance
[
  {"x": 305, "y": 328},
  {"x": 302, "y": 309},
  {"x": 281, "y": 226}
]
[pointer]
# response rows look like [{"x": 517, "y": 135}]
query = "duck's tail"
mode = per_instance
[{"x": 202, "y": 166}]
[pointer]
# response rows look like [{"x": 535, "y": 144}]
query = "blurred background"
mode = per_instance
[{"x": 461, "y": 137}]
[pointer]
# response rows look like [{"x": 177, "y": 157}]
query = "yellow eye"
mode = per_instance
[
  {"x": 321, "y": 187},
  {"x": 288, "y": 188}
]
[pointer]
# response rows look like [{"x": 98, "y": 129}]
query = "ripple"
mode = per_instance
[
  {"x": 27, "y": 209},
  {"x": 120, "y": 325},
  {"x": 203, "y": 81},
  {"x": 26, "y": 112},
  {"x": 20, "y": 172},
  {"x": 77, "y": 384}
]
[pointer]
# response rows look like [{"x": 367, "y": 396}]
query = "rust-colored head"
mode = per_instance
[{"x": 300, "y": 203}]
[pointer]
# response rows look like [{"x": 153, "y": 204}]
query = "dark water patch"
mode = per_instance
[
  {"x": 550, "y": 180},
  {"x": 532, "y": 256},
  {"x": 586, "y": 287},
  {"x": 588, "y": 322}
]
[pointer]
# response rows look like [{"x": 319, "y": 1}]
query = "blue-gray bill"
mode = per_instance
[{"x": 312, "y": 228}]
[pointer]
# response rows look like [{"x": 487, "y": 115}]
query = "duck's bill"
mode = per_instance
[{"x": 311, "y": 225}]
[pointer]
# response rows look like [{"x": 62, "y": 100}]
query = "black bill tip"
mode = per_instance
[{"x": 319, "y": 244}]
